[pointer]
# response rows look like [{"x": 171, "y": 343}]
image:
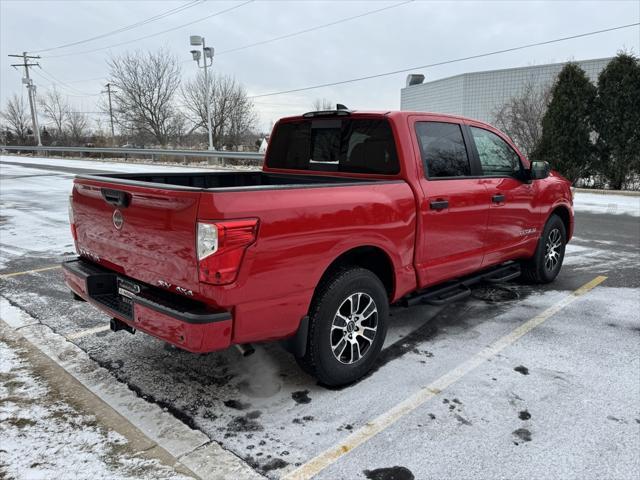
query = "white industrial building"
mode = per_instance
[{"x": 480, "y": 94}]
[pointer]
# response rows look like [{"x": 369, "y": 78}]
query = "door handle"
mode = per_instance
[
  {"x": 439, "y": 204},
  {"x": 498, "y": 198}
]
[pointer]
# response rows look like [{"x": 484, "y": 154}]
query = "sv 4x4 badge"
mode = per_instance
[{"x": 168, "y": 286}]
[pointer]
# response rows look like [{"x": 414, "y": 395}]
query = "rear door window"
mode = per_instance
[
  {"x": 335, "y": 145},
  {"x": 443, "y": 150}
]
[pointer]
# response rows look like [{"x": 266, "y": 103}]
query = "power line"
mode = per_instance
[
  {"x": 86, "y": 80},
  {"x": 445, "y": 62},
  {"x": 153, "y": 34},
  {"x": 56, "y": 81},
  {"x": 311, "y": 29},
  {"x": 159, "y": 16},
  {"x": 281, "y": 37}
]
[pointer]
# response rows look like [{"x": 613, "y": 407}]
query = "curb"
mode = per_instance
[
  {"x": 626, "y": 193},
  {"x": 190, "y": 448}
]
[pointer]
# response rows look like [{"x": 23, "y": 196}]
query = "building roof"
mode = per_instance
[{"x": 511, "y": 69}]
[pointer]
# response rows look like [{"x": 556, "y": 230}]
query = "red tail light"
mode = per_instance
[{"x": 221, "y": 247}]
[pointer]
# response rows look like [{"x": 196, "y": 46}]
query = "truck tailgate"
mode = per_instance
[{"x": 146, "y": 233}]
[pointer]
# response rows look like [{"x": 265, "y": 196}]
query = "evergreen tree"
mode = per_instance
[
  {"x": 617, "y": 120},
  {"x": 566, "y": 126}
]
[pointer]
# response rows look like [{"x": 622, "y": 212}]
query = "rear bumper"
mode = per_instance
[{"x": 182, "y": 322}]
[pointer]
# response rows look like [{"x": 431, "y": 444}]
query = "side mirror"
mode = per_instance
[{"x": 539, "y": 170}]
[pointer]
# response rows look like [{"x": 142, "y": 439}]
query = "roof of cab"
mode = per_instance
[{"x": 396, "y": 114}]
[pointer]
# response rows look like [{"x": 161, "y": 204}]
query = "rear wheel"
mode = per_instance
[
  {"x": 545, "y": 264},
  {"x": 347, "y": 327}
]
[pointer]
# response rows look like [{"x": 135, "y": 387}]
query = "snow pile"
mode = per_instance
[
  {"x": 43, "y": 438},
  {"x": 608, "y": 204}
]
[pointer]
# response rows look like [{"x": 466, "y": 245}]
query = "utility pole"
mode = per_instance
[
  {"x": 113, "y": 136},
  {"x": 31, "y": 88}
]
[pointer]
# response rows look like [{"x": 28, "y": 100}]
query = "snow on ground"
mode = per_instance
[
  {"x": 584, "y": 258},
  {"x": 33, "y": 203},
  {"x": 120, "y": 164},
  {"x": 31, "y": 212},
  {"x": 95, "y": 164},
  {"x": 43, "y": 437},
  {"x": 608, "y": 204}
]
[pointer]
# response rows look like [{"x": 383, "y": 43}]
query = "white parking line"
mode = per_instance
[
  {"x": 372, "y": 428},
  {"x": 27, "y": 272},
  {"x": 88, "y": 331}
]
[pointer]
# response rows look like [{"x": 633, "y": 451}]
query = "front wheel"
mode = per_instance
[
  {"x": 545, "y": 264},
  {"x": 347, "y": 327}
]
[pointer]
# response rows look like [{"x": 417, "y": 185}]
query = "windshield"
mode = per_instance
[{"x": 334, "y": 145}]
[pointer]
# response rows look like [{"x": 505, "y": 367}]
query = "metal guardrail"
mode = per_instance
[{"x": 152, "y": 152}]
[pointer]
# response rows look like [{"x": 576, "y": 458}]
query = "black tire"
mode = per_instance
[
  {"x": 330, "y": 305},
  {"x": 541, "y": 268}
]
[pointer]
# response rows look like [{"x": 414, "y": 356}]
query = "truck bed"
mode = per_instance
[{"x": 227, "y": 180}]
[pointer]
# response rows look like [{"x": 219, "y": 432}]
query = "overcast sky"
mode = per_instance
[{"x": 410, "y": 34}]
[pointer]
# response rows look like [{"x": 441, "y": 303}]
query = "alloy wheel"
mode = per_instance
[
  {"x": 354, "y": 328},
  {"x": 552, "y": 250}
]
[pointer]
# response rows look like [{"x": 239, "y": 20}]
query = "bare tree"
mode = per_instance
[
  {"x": 77, "y": 124},
  {"x": 242, "y": 117},
  {"x": 16, "y": 115},
  {"x": 146, "y": 84},
  {"x": 320, "y": 104},
  {"x": 56, "y": 109},
  {"x": 521, "y": 116},
  {"x": 232, "y": 112}
]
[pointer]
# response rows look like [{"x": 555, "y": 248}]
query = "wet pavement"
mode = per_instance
[{"x": 562, "y": 402}]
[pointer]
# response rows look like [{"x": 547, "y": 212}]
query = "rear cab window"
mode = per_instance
[
  {"x": 443, "y": 150},
  {"x": 350, "y": 145}
]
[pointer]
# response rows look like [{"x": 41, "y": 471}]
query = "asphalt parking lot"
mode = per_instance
[{"x": 560, "y": 401}]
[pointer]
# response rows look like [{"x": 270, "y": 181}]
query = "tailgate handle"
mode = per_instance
[{"x": 117, "y": 198}]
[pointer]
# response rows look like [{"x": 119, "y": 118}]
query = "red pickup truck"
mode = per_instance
[{"x": 352, "y": 212}]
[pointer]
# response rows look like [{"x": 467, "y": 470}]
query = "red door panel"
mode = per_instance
[
  {"x": 452, "y": 239},
  {"x": 512, "y": 226}
]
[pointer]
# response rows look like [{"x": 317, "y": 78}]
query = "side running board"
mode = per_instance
[
  {"x": 504, "y": 274},
  {"x": 459, "y": 289}
]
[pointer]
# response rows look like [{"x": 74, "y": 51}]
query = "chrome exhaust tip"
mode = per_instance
[{"x": 245, "y": 349}]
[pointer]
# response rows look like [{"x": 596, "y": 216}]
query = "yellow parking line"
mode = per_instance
[
  {"x": 375, "y": 426},
  {"x": 88, "y": 331},
  {"x": 27, "y": 272}
]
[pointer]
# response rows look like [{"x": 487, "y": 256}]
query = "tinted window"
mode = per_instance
[
  {"x": 497, "y": 158},
  {"x": 443, "y": 150},
  {"x": 341, "y": 145}
]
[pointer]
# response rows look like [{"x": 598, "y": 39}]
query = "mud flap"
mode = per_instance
[{"x": 297, "y": 344}]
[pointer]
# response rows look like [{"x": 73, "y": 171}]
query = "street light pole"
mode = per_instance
[{"x": 207, "y": 52}]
